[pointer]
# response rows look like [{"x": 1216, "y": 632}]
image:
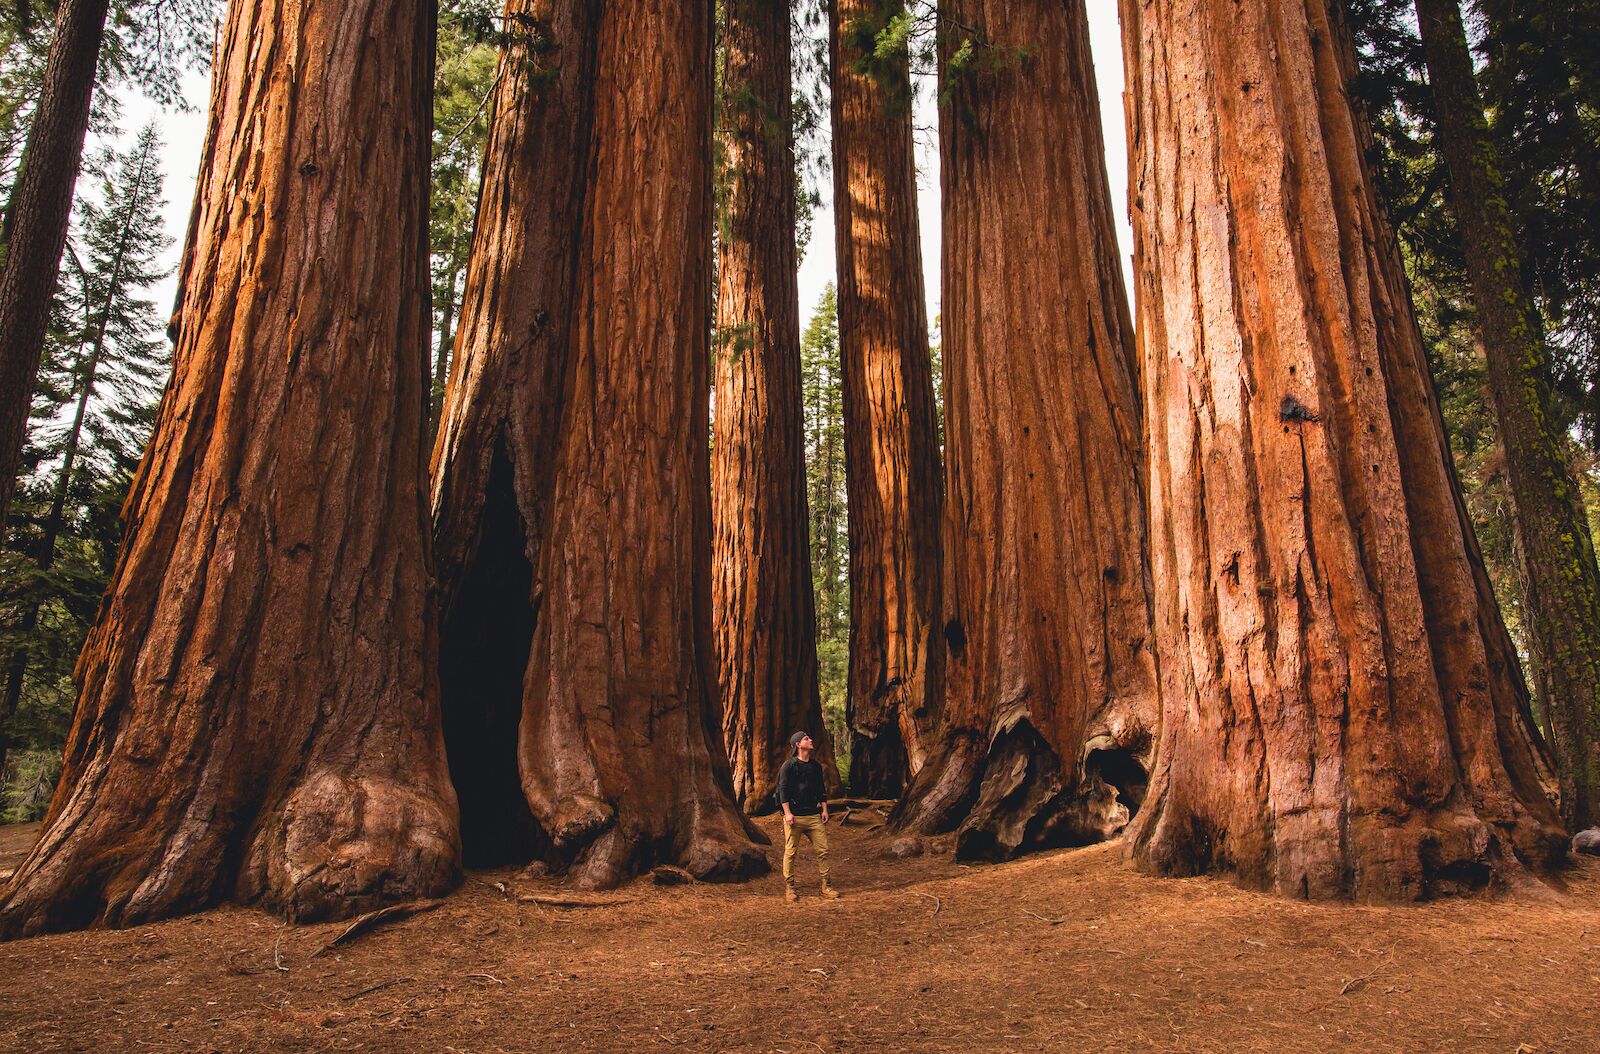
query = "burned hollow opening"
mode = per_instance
[
  {"x": 1120, "y": 769},
  {"x": 484, "y": 646}
]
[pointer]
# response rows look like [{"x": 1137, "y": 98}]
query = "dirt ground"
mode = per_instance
[{"x": 1062, "y": 952}]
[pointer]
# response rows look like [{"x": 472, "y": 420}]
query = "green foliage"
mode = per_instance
[
  {"x": 1533, "y": 81},
  {"x": 822, "y": 391},
  {"x": 465, "y": 73},
  {"x": 105, "y": 365},
  {"x": 1541, "y": 81}
]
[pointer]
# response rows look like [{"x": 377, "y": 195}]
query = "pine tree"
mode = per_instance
[
  {"x": 827, "y": 504},
  {"x": 114, "y": 358},
  {"x": 463, "y": 79}
]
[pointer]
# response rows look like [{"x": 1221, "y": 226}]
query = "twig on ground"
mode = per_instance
[
  {"x": 378, "y": 988},
  {"x": 277, "y": 955},
  {"x": 1354, "y": 982},
  {"x": 373, "y": 919},
  {"x": 487, "y": 977},
  {"x": 938, "y": 905},
  {"x": 1041, "y": 918}
]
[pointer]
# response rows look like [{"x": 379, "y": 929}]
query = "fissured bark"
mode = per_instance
[
  {"x": 891, "y": 447},
  {"x": 764, "y": 613},
  {"x": 1050, "y": 690},
  {"x": 1341, "y": 701},
  {"x": 258, "y": 718},
  {"x": 571, "y": 498}
]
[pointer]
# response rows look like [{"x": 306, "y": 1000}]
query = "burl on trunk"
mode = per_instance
[
  {"x": 891, "y": 448},
  {"x": 571, "y": 495},
  {"x": 1050, "y": 681},
  {"x": 764, "y": 610},
  {"x": 1342, "y": 703},
  {"x": 259, "y": 710}
]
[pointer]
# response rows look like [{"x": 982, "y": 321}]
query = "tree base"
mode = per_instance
[
  {"x": 1447, "y": 851},
  {"x": 1014, "y": 795},
  {"x": 338, "y": 847}
]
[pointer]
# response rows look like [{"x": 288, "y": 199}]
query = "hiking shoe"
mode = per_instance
[
  {"x": 829, "y": 892},
  {"x": 791, "y": 894}
]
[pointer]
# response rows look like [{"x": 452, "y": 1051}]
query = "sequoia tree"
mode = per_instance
[
  {"x": 762, "y": 602},
  {"x": 571, "y": 487},
  {"x": 34, "y": 231},
  {"x": 1050, "y": 689},
  {"x": 891, "y": 446},
  {"x": 1558, "y": 559},
  {"x": 258, "y": 713},
  {"x": 1342, "y": 707}
]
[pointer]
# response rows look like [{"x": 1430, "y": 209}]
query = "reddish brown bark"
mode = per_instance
[
  {"x": 1556, "y": 554},
  {"x": 891, "y": 449},
  {"x": 1342, "y": 703},
  {"x": 572, "y": 499},
  {"x": 492, "y": 464},
  {"x": 258, "y": 718},
  {"x": 764, "y": 613},
  {"x": 1050, "y": 682},
  {"x": 36, "y": 219}
]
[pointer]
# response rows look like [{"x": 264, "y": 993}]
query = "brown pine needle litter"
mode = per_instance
[{"x": 1065, "y": 951}]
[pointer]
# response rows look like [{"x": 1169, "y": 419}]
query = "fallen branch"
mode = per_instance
[
  {"x": 487, "y": 977},
  {"x": 373, "y": 919},
  {"x": 377, "y": 988},
  {"x": 938, "y": 905},
  {"x": 1041, "y": 918},
  {"x": 574, "y": 902}
]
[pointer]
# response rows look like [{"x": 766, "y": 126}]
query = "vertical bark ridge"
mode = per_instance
[
  {"x": 763, "y": 607},
  {"x": 582, "y": 358},
  {"x": 1340, "y": 705},
  {"x": 1055, "y": 687},
  {"x": 258, "y": 714},
  {"x": 492, "y": 472},
  {"x": 891, "y": 453}
]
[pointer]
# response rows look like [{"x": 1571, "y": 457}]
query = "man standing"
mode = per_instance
[{"x": 805, "y": 811}]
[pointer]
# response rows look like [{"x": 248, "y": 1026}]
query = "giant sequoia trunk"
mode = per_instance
[
  {"x": 1557, "y": 554},
  {"x": 36, "y": 219},
  {"x": 571, "y": 495},
  {"x": 258, "y": 718},
  {"x": 1341, "y": 700},
  {"x": 891, "y": 449},
  {"x": 764, "y": 610},
  {"x": 1050, "y": 683}
]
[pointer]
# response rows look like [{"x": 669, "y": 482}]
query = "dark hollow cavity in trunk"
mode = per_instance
[{"x": 484, "y": 658}]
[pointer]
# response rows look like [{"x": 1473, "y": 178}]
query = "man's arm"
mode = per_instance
[{"x": 786, "y": 791}]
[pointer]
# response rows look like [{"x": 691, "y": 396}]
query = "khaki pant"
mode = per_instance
[{"x": 816, "y": 833}]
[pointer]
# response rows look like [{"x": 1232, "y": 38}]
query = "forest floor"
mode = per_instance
[{"x": 1063, "y": 951}]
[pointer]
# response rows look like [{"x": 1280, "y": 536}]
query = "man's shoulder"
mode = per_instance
[{"x": 788, "y": 765}]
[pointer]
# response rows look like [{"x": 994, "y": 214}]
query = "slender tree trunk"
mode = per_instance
[
  {"x": 45, "y": 558},
  {"x": 1342, "y": 705},
  {"x": 891, "y": 452},
  {"x": 571, "y": 488},
  {"x": 441, "y": 358},
  {"x": 35, "y": 228},
  {"x": 1050, "y": 691},
  {"x": 258, "y": 717},
  {"x": 764, "y": 612},
  {"x": 1563, "y": 585}
]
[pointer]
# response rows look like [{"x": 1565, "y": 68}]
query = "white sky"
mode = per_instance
[{"x": 184, "y": 134}]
